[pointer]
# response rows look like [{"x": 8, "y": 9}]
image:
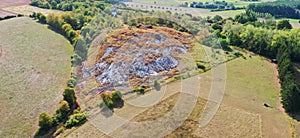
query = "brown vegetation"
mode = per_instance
[{"x": 144, "y": 46}]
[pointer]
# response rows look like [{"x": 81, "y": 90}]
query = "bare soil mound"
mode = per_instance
[{"x": 132, "y": 57}]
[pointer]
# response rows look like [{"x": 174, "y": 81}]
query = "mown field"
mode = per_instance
[
  {"x": 27, "y": 10},
  {"x": 194, "y": 11},
  {"x": 9, "y": 3},
  {"x": 34, "y": 67},
  {"x": 237, "y": 3}
]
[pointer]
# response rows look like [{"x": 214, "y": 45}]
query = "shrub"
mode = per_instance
[
  {"x": 71, "y": 83},
  {"x": 76, "y": 60},
  {"x": 237, "y": 54},
  {"x": 140, "y": 90},
  {"x": 116, "y": 96},
  {"x": 200, "y": 66},
  {"x": 157, "y": 85},
  {"x": 107, "y": 99},
  {"x": 46, "y": 122},
  {"x": 76, "y": 119},
  {"x": 177, "y": 77}
]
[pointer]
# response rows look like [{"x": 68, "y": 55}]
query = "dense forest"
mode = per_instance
[
  {"x": 279, "y": 9},
  {"x": 69, "y": 5}
]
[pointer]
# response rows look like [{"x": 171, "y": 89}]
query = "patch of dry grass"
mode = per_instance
[
  {"x": 34, "y": 68},
  {"x": 27, "y": 10}
]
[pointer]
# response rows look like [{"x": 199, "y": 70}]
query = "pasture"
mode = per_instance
[{"x": 34, "y": 68}]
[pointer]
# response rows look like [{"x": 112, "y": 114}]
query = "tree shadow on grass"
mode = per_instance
[
  {"x": 119, "y": 104},
  {"x": 108, "y": 112}
]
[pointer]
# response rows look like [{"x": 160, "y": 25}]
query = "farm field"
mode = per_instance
[
  {"x": 251, "y": 81},
  {"x": 193, "y": 11},
  {"x": 9, "y": 3},
  {"x": 27, "y": 10},
  {"x": 35, "y": 65},
  {"x": 177, "y": 3},
  {"x": 224, "y": 14}
]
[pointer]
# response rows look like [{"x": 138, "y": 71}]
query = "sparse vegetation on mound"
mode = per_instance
[{"x": 139, "y": 54}]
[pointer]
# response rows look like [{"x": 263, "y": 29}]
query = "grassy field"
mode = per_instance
[
  {"x": 35, "y": 65},
  {"x": 224, "y": 14},
  {"x": 251, "y": 81},
  {"x": 193, "y": 11},
  {"x": 177, "y": 3},
  {"x": 27, "y": 10},
  {"x": 9, "y": 3}
]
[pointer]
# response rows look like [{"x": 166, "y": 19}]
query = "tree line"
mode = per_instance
[
  {"x": 69, "y": 5},
  {"x": 67, "y": 115},
  {"x": 70, "y": 24},
  {"x": 156, "y": 22}
]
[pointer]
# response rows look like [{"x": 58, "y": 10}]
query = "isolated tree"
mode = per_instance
[
  {"x": 69, "y": 96},
  {"x": 284, "y": 24}
]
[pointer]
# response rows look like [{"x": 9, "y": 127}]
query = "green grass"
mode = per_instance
[
  {"x": 290, "y": 19},
  {"x": 195, "y": 11},
  {"x": 224, "y": 14},
  {"x": 34, "y": 68},
  {"x": 161, "y": 3},
  {"x": 252, "y": 76}
]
